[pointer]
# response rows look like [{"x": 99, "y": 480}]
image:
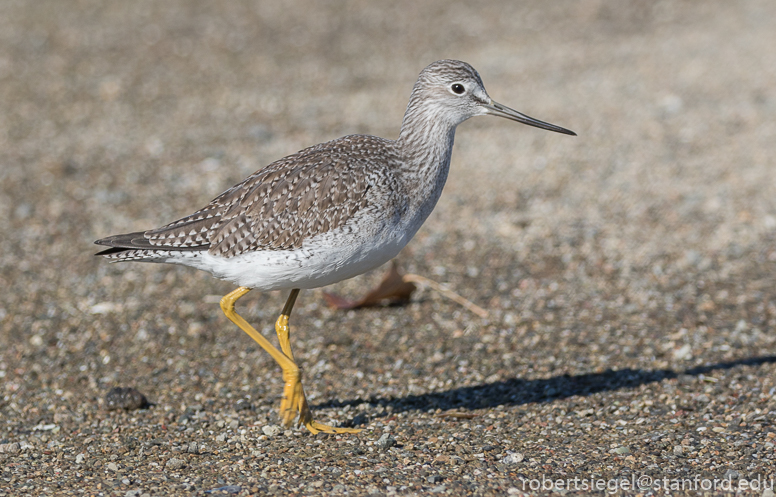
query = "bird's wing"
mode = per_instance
[
  {"x": 308, "y": 193},
  {"x": 290, "y": 204}
]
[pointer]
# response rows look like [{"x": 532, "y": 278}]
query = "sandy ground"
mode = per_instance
[{"x": 630, "y": 272}]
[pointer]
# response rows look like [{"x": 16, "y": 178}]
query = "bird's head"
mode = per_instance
[{"x": 452, "y": 91}]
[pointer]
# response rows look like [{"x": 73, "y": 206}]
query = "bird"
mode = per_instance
[{"x": 324, "y": 214}]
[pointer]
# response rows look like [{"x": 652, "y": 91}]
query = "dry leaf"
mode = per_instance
[{"x": 391, "y": 290}]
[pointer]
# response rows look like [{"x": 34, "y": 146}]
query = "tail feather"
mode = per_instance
[{"x": 137, "y": 243}]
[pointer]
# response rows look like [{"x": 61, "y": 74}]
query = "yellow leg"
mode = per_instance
[
  {"x": 293, "y": 395},
  {"x": 298, "y": 401}
]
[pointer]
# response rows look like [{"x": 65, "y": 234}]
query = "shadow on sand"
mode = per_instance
[{"x": 515, "y": 391}]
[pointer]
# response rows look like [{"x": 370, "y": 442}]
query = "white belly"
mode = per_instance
[{"x": 325, "y": 259}]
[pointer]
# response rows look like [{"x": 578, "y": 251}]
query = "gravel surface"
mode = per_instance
[{"x": 629, "y": 273}]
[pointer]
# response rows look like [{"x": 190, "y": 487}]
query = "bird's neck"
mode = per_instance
[{"x": 426, "y": 145}]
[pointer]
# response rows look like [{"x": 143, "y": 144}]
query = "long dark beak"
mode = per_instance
[{"x": 496, "y": 109}]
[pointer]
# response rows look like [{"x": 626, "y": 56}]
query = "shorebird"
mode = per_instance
[{"x": 324, "y": 214}]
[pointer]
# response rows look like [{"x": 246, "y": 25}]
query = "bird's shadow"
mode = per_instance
[{"x": 515, "y": 392}]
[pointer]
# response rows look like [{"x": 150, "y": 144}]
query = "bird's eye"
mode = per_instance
[{"x": 458, "y": 88}]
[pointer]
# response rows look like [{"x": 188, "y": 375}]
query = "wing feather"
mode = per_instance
[{"x": 280, "y": 206}]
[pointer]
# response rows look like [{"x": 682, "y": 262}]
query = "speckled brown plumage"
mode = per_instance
[{"x": 311, "y": 192}]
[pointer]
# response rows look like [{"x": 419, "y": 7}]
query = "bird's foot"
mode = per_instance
[{"x": 294, "y": 401}]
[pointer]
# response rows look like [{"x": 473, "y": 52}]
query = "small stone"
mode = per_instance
[
  {"x": 271, "y": 430},
  {"x": 243, "y": 405},
  {"x": 125, "y": 398},
  {"x": 512, "y": 458},
  {"x": 234, "y": 424},
  {"x": 731, "y": 474},
  {"x": 229, "y": 489},
  {"x": 102, "y": 308},
  {"x": 134, "y": 493},
  {"x": 622, "y": 450},
  {"x": 317, "y": 484},
  {"x": 221, "y": 437},
  {"x": 385, "y": 441},
  {"x": 438, "y": 490},
  {"x": 683, "y": 353},
  {"x": 112, "y": 466},
  {"x": 79, "y": 459},
  {"x": 11, "y": 448},
  {"x": 513, "y": 491},
  {"x": 768, "y": 492},
  {"x": 175, "y": 464},
  {"x": 435, "y": 479},
  {"x": 193, "y": 448},
  {"x": 44, "y": 427},
  {"x": 338, "y": 488},
  {"x": 678, "y": 450},
  {"x": 126, "y": 481}
]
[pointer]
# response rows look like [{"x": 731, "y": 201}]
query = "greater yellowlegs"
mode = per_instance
[{"x": 326, "y": 213}]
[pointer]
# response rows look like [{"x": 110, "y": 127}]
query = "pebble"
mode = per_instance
[
  {"x": 386, "y": 441},
  {"x": 271, "y": 430},
  {"x": 683, "y": 353},
  {"x": 731, "y": 474},
  {"x": 10, "y": 448},
  {"x": 125, "y": 398},
  {"x": 228, "y": 489},
  {"x": 512, "y": 458},
  {"x": 193, "y": 448},
  {"x": 79, "y": 459},
  {"x": 112, "y": 466},
  {"x": 768, "y": 492},
  {"x": 45, "y": 427},
  {"x": 438, "y": 490},
  {"x": 175, "y": 463}
]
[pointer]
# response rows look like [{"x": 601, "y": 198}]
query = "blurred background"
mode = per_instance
[{"x": 647, "y": 242}]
